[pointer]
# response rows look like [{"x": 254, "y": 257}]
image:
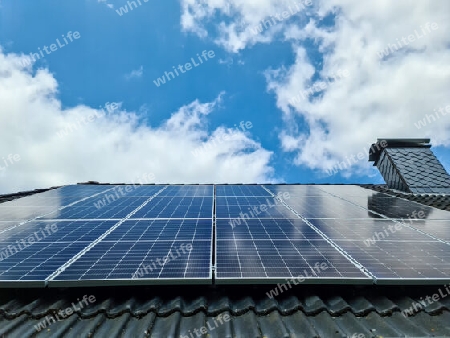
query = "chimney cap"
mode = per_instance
[{"x": 375, "y": 150}]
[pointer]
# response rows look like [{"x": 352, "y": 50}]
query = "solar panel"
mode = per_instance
[
  {"x": 272, "y": 245},
  {"x": 31, "y": 252},
  {"x": 251, "y": 207},
  {"x": 163, "y": 234},
  {"x": 241, "y": 190},
  {"x": 174, "y": 247},
  {"x": 389, "y": 206},
  {"x": 146, "y": 252},
  {"x": 272, "y": 251}
]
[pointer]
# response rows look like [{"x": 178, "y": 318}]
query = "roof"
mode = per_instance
[
  {"x": 167, "y": 311},
  {"x": 409, "y": 165},
  {"x": 327, "y": 311}
]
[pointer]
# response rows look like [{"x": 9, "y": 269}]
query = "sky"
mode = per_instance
[{"x": 218, "y": 91}]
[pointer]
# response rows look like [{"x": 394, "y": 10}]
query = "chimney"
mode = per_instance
[{"x": 409, "y": 165}]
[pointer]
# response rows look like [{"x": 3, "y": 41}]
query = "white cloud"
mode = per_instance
[
  {"x": 246, "y": 15},
  {"x": 116, "y": 146},
  {"x": 135, "y": 74},
  {"x": 379, "y": 97}
]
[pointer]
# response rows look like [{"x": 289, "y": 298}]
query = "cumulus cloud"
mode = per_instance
[
  {"x": 390, "y": 84},
  {"x": 67, "y": 145},
  {"x": 241, "y": 22}
]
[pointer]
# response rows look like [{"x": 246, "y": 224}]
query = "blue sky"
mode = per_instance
[{"x": 252, "y": 77}]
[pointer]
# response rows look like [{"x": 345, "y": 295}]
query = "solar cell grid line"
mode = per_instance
[
  {"x": 188, "y": 191},
  {"x": 334, "y": 245},
  {"x": 276, "y": 248},
  {"x": 387, "y": 267},
  {"x": 123, "y": 258},
  {"x": 296, "y": 190},
  {"x": 178, "y": 207},
  {"x": 390, "y": 206},
  {"x": 409, "y": 263},
  {"x": 437, "y": 228},
  {"x": 282, "y": 257},
  {"x": 31, "y": 263},
  {"x": 170, "y": 250},
  {"x": 43, "y": 215},
  {"x": 94, "y": 243},
  {"x": 405, "y": 224},
  {"x": 140, "y": 238},
  {"x": 251, "y": 207},
  {"x": 240, "y": 190}
]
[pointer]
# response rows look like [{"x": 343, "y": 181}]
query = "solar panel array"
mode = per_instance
[{"x": 202, "y": 234}]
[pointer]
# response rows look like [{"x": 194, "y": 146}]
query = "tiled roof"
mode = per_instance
[
  {"x": 415, "y": 170},
  {"x": 306, "y": 311}
]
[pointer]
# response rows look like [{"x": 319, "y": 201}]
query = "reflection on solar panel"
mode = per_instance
[
  {"x": 392, "y": 252},
  {"x": 271, "y": 251},
  {"x": 159, "y": 234},
  {"x": 241, "y": 190},
  {"x": 251, "y": 207},
  {"x": 33, "y": 251},
  {"x": 143, "y": 251}
]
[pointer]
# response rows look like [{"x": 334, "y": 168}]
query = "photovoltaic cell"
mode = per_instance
[
  {"x": 33, "y": 251},
  {"x": 106, "y": 235},
  {"x": 273, "y": 250},
  {"x": 389, "y": 206},
  {"x": 146, "y": 252},
  {"x": 388, "y": 250},
  {"x": 246, "y": 207},
  {"x": 177, "y": 207},
  {"x": 241, "y": 190},
  {"x": 188, "y": 191}
]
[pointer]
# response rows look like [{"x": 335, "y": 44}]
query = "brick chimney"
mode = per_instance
[{"x": 409, "y": 165}]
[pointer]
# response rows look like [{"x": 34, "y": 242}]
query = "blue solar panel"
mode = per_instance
[
  {"x": 33, "y": 251},
  {"x": 388, "y": 250},
  {"x": 251, "y": 207},
  {"x": 134, "y": 234},
  {"x": 188, "y": 191},
  {"x": 273, "y": 250},
  {"x": 144, "y": 252},
  {"x": 241, "y": 190},
  {"x": 177, "y": 207}
]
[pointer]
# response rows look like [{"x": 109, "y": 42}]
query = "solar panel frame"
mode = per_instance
[
  {"x": 61, "y": 280},
  {"x": 248, "y": 238}
]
